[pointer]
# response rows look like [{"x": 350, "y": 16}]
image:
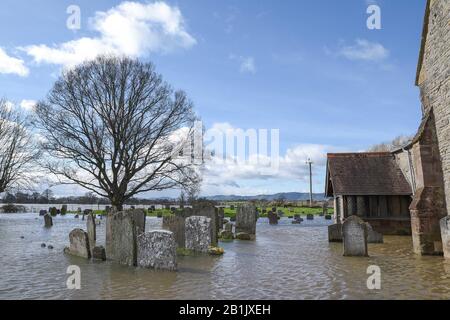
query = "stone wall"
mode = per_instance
[{"x": 434, "y": 81}]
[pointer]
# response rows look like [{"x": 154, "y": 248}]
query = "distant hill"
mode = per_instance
[{"x": 288, "y": 196}]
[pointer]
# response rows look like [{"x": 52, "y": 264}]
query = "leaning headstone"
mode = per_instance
[
  {"x": 79, "y": 244},
  {"x": 175, "y": 224},
  {"x": 99, "y": 253},
  {"x": 246, "y": 219},
  {"x": 273, "y": 218},
  {"x": 48, "y": 221},
  {"x": 372, "y": 235},
  {"x": 354, "y": 236},
  {"x": 91, "y": 230},
  {"x": 198, "y": 233},
  {"x": 445, "y": 235},
  {"x": 121, "y": 237},
  {"x": 158, "y": 250},
  {"x": 335, "y": 233}
]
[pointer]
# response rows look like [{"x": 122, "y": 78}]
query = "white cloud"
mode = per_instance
[
  {"x": 246, "y": 64},
  {"x": 364, "y": 50},
  {"x": 230, "y": 174},
  {"x": 131, "y": 28},
  {"x": 11, "y": 65},
  {"x": 28, "y": 105}
]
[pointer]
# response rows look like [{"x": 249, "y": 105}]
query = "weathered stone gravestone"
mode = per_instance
[
  {"x": 64, "y": 209},
  {"x": 42, "y": 212},
  {"x": 48, "y": 221},
  {"x": 372, "y": 235},
  {"x": 91, "y": 230},
  {"x": 139, "y": 218},
  {"x": 198, "y": 233},
  {"x": 79, "y": 244},
  {"x": 209, "y": 211},
  {"x": 228, "y": 227},
  {"x": 246, "y": 220},
  {"x": 175, "y": 224},
  {"x": 220, "y": 216},
  {"x": 158, "y": 250},
  {"x": 122, "y": 230},
  {"x": 99, "y": 253},
  {"x": 335, "y": 233},
  {"x": 445, "y": 235},
  {"x": 354, "y": 236},
  {"x": 53, "y": 211},
  {"x": 273, "y": 218},
  {"x": 310, "y": 216}
]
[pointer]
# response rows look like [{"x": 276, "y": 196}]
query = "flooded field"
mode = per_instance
[{"x": 285, "y": 262}]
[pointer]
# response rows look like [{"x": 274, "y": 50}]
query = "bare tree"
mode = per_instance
[
  {"x": 398, "y": 142},
  {"x": 114, "y": 127},
  {"x": 18, "y": 150}
]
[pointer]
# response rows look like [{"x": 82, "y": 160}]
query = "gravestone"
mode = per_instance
[
  {"x": 79, "y": 244},
  {"x": 175, "y": 224},
  {"x": 91, "y": 230},
  {"x": 246, "y": 219},
  {"x": 158, "y": 250},
  {"x": 64, "y": 209},
  {"x": 335, "y": 233},
  {"x": 48, "y": 221},
  {"x": 445, "y": 235},
  {"x": 198, "y": 233},
  {"x": 209, "y": 211},
  {"x": 42, "y": 212},
  {"x": 354, "y": 236},
  {"x": 122, "y": 229},
  {"x": 221, "y": 216},
  {"x": 310, "y": 216},
  {"x": 328, "y": 217},
  {"x": 273, "y": 218},
  {"x": 139, "y": 218},
  {"x": 53, "y": 211},
  {"x": 228, "y": 227},
  {"x": 99, "y": 253},
  {"x": 372, "y": 235}
]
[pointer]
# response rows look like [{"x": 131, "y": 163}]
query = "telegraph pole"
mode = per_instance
[{"x": 309, "y": 163}]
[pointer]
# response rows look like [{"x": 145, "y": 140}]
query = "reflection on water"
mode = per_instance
[{"x": 285, "y": 262}]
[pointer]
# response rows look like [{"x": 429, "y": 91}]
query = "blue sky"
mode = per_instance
[{"x": 309, "y": 68}]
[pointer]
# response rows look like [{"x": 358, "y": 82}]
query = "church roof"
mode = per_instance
[{"x": 372, "y": 173}]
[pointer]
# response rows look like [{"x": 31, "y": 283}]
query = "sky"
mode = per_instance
[{"x": 311, "y": 69}]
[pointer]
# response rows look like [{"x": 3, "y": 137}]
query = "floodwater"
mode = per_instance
[{"x": 285, "y": 262}]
